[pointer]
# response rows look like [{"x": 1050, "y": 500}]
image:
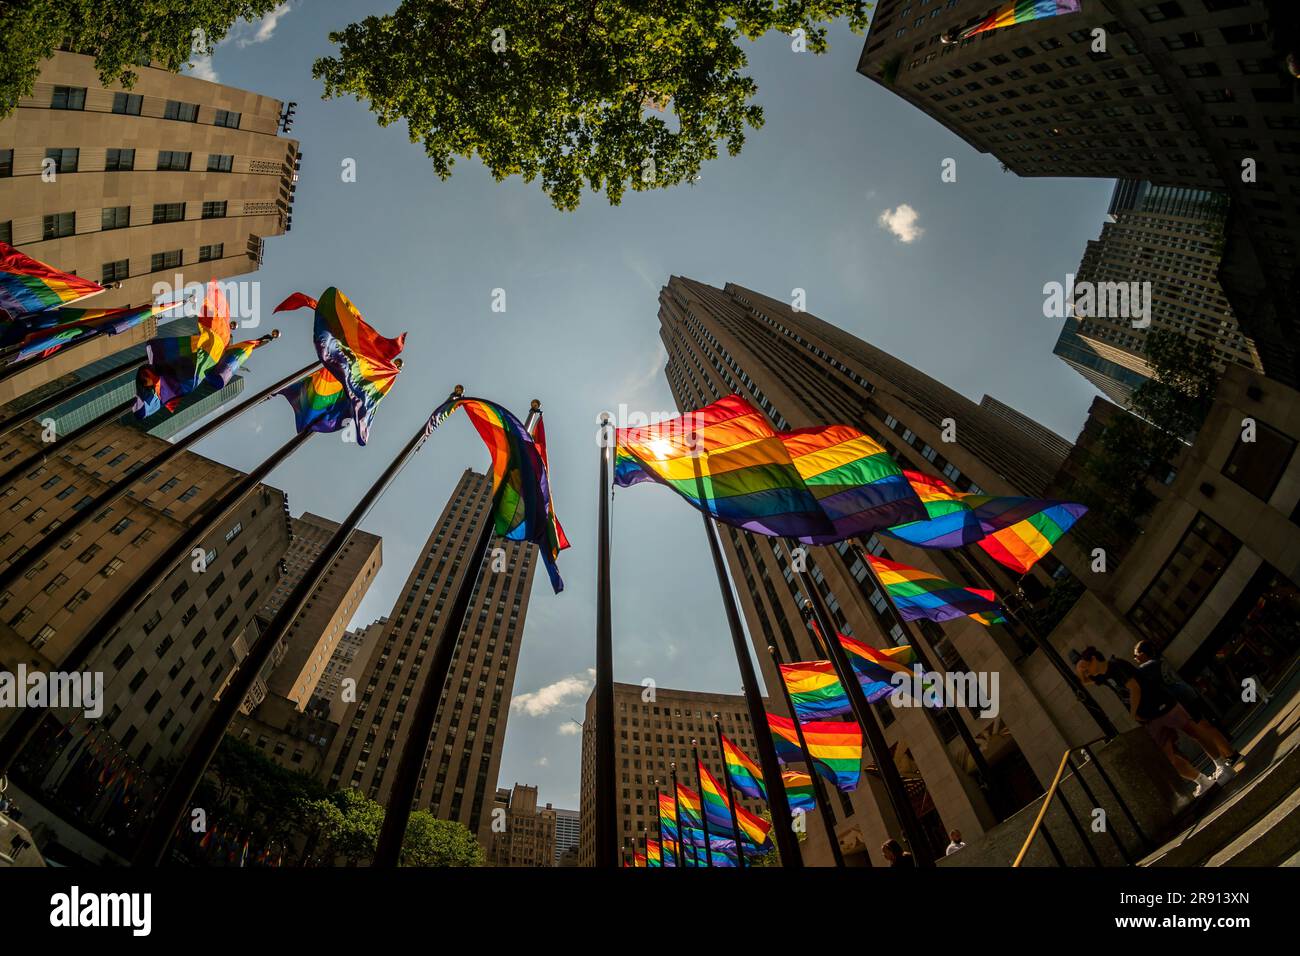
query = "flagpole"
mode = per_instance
[
  {"x": 677, "y": 818},
  {"x": 119, "y": 488},
  {"x": 28, "y": 718},
  {"x": 819, "y": 785},
  {"x": 704, "y": 814},
  {"x": 889, "y": 774},
  {"x": 983, "y": 772},
  {"x": 16, "y": 420},
  {"x": 203, "y": 747},
  {"x": 659, "y": 823},
  {"x": 731, "y": 797},
  {"x": 606, "y": 798},
  {"x": 406, "y": 777},
  {"x": 48, "y": 449}
]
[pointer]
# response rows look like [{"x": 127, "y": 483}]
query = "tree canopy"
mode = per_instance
[
  {"x": 119, "y": 34},
  {"x": 596, "y": 94},
  {"x": 348, "y": 822}
]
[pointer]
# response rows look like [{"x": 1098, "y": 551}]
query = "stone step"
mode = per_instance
[
  {"x": 1269, "y": 842},
  {"x": 1246, "y": 802}
]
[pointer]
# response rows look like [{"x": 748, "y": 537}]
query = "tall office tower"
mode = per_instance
[
  {"x": 163, "y": 666},
  {"x": 568, "y": 832},
  {"x": 525, "y": 833},
  {"x": 349, "y": 657},
  {"x": 1170, "y": 262},
  {"x": 1187, "y": 93},
  {"x": 803, "y": 371},
  {"x": 174, "y": 177},
  {"x": 298, "y": 661},
  {"x": 1117, "y": 382},
  {"x": 459, "y": 777},
  {"x": 1180, "y": 202},
  {"x": 654, "y": 728},
  {"x": 1051, "y": 443}
]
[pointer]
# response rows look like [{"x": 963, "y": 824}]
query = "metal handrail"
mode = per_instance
[{"x": 1047, "y": 800}]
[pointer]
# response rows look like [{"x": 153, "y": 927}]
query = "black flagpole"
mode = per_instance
[
  {"x": 606, "y": 798},
  {"x": 731, "y": 796},
  {"x": 175, "y": 800},
  {"x": 889, "y": 774},
  {"x": 119, "y": 488},
  {"x": 677, "y": 818},
  {"x": 20, "y": 729},
  {"x": 704, "y": 814},
  {"x": 16, "y": 420},
  {"x": 819, "y": 785},
  {"x": 406, "y": 777}
]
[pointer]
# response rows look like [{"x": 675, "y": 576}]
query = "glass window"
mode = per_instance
[
  {"x": 65, "y": 159},
  {"x": 227, "y": 118},
  {"x": 6, "y": 162},
  {"x": 1258, "y": 465},
  {"x": 214, "y": 210},
  {"x": 215, "y": 251},
  {"x": 184, "y": 112},
  {"x": 167, "y": 159},
  {"x": 60, "y": 224},
  {"x": 165, "y": 260},
  {"x": 116, "y": 217},
  {"x": 68, "y": 98},
  {"x": 220, "y": 162},
  {"x": 128, "y": 103},
  {"x": 117, "y": 271},
  {"x": 1178, "y": 589},
  {"x": 168, "y": 211},
  {"x": 119, "y": 160}
]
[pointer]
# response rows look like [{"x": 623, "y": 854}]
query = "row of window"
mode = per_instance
[
  {"x": 67, "y": 159},
  {"x": 130, "y": 104},
  {"x": 60, "y": 225}
]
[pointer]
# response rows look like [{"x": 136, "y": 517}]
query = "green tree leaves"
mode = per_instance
[
  {"x": 592, "y": 94},
  {"x": 347, "y": 824}
]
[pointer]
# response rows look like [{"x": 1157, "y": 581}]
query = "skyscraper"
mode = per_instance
[
  {"x": 524, "y": 834},
  {"x": 349, "y": 657},
  {"x": 1186, "y": 93},
  {"x": 458, "y": 779},
  {"x": 803, "y": 371}
]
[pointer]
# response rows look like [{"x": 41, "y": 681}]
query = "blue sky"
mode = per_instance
[{"x": 801, "y": 207}]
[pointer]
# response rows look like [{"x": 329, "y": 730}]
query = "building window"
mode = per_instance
[
  {"x": 214, "y": 210},
  {"x": 184, "y": 112},
  {"x": 68, "y": 98},
  {"x": 115, "y": 217},
  {"x": 60, "y": 224},
  {"x": 118, "y": 271},
  {"x": 176, "y": 161},
  {"x": 168, "y": 212},
  {"x": 119, "y": 160},
  {"x": 227, "y": 118},
  {"x": 128, "y": 103},
  {"x": 1259, "y": 465},
  {"x": 209, "y": 253},
  {"x": 165, "y": 260},
  {"x": 65, "y": 160},
  {"x": 1189, "y": 574},
  {"x": 7, "y": 231},
  {"x": 220, "y": 162},
  {"x": 6, "y": 162}
]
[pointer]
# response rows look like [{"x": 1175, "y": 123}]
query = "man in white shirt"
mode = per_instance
[{"x": 956, "y": 844}]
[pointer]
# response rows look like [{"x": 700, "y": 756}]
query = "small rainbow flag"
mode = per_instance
[
  {"x": 815, "y": 690},
  {"x": 717, "y": 808},
  {"x": 232, "y": 360},
  {"x": 669, "y": 852},
  {"x": 653, "y": 853},
  {"x": 798, "y": 790},
  {"x": 43, "y": 333},
  {"x": 876, "y": 666},
  {"x": 836, "y": 747},
  {"x": 1021, "y": 11},
  {"x": 638, "y": 859},
  {"x": 365, "y": 362},
  {"x": 920, "y": 594},
  {"x": 319, "y": 402},
  {"x": 521, "y": 488},
  {"x": 743, "y": 772},
  {"x": 753, "y": 828},
  {"x": 1021, "y": 545},
  {"x": 820, "y": 485},
  {"x": 178, "y": 365},
  {"x": 688, "y": 808},
  {"x": 27, "y": 285},
  {"x": 786, "y": 739},
  {"x": 667, "y": 817}
]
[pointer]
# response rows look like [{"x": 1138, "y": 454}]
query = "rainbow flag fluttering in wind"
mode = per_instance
[
  {"x": 1021, "y": 530},
  {"x": 876, "y": 666},
  {"x": 44, "y": 333},
  {"x": 744, "y": 773},
  {"x": 835, "y": 745},
  {"x": 819, "y": 485},
  {"x": 638, "y": 859},
  {"x": 178, "y": 365},
  {"x": 667, "y": 817},
  {"x": 689, "y": 809},
  {"x": 1021, "y": 11},
  {"x": 319, "y": 402},
  {"x": 365, "y": 362},
  {"x": 920, "y": 594},
  {"x": 521, "y": 489},
  {"x": 717, "y": 810},
  {"x": 232, "y": 360},
  {"x": 786, "y": 739},
  {"x": 27, "y": 285},
  {"x": 798, "y": 790},
  {"x": 815, "y": 690},
  {"x": 653, "y": 853}
]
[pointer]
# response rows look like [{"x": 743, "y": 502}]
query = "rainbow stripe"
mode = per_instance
[
  {"x": 688, "y": 809},
  {"x": 743, "y": 772},
  {"x": 1021, "y": 11},
  {"x": 786, "y": 739},
  {"x": 836, "y": 746},
  {"x": 819, "y": 485},
  {"x": 876, "y": 666},
  {"x": 753, "y": 828},
  {"x": 815, "y": 690},
  {"x": 717, "y": 808},
  {"x": 27, "y": 285},
  {"x": 920, "y": 594},
  {"x": 43, "y": 333},
  {"x": 1020, "y": 546},
  {"x": 798, "y": 790},
  {"x": 638, "y": 859},
  {"x": 669, "y": 852},
  {"x": 232, "y": 360},
  {"x": 653, "y": 853},
  {"x": 521, "y": 488},
  {"x": 667, "y": 817},
  {"x": 363, "y": 361},
  {"x": 319, "y": 402},
  {"x": 178, "y": 365}
]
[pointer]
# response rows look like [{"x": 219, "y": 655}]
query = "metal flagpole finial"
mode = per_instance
[
  {"x": 536, "y": 405},
  {"x": 275, "y": 333},
  {"x": 458, "y": 391}
]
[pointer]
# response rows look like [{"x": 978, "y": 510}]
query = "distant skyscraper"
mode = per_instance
[
  {"x": 458, "y": 780},
  {"x": 349, "y": 657},
  {"x": 1190, "y": 94},
  {"x": 1051, "y": 443},
  {"x": 1182, "y": 202},
  {"x": 568, "y": 832},
  {"x": 1117, "y": 382},
  {"x": 525, "y": 835}
]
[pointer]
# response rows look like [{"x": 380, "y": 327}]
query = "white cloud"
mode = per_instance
[
  {"x": 902, "y": 222},
  {"x": 569, "y": 729},
  {"x": 546, "y": 700},
  {"x": 543, "y": 761},
  {"x": 242, "y": 34},
  {"x": 263, "y": 28},
  {"x": 203, "y": 69}
]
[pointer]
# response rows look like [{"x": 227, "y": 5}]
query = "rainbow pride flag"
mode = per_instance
[
  {"x": 521, "y": 488},
  {"x": 717, "y": 808},
  {"x": 743, "y": 772},
  {"x": 44, "y": 333},
  {"x": 365, "y": 362},
  {"x": 27, "y": 285},
  {"x": 753, "y": 829},
  {"x": 1021, "y": 11},
  {"x": 786, "y": 739},
  {"x": 669, "y": 851},
  {"x": 653, "y": 853},
  {"x": 319, "y": 402},
  {"x": 920, "y": 594},
  {"x": 232, "y": 360},
  {"x": 688, "y": 808},
  {"x": 178, "y": 365},
  {"x": 638, "y": 859},
  {"x": 667, "y": 817},
  {"x": 957, "y": 519},
  {"x": 876, "y": 666},
  {"x": 815, "y": 690},
  {"x": 798, "y": 790},
  {"x": 819, "y": 485},
  {"x": 836, "y": 746}
]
